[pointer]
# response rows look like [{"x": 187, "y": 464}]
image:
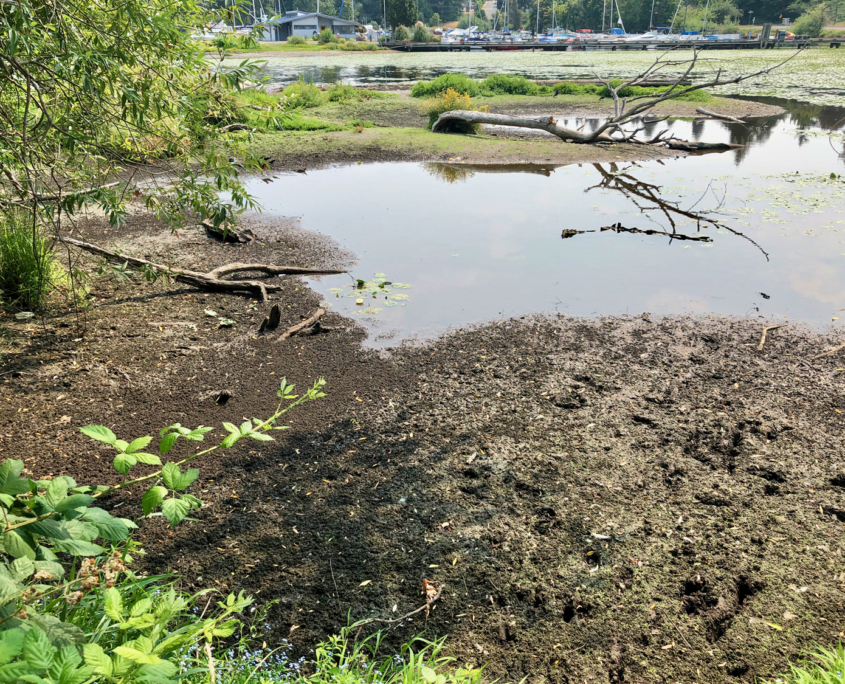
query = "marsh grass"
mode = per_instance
[{"x": 822, "y": 667}]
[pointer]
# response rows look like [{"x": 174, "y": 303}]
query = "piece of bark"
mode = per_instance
[{"x": 271, "y": 322}]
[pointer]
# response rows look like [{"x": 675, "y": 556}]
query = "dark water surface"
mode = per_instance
[{"x": 477, "y": 243}]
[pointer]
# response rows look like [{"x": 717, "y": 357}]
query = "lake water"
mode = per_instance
[{"x": 478, "y": 243}]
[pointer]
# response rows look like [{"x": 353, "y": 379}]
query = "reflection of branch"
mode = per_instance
[
  {"x": 637, "y": 190},
  {"x": 619, "y": 228}
]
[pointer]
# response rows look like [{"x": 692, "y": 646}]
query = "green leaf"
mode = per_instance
[
  {"x": 99, "y": 432},
  {"x": 163, "y": 431},
  {"x": 225, "y": 630},
  {"x": 120, "y": 445},
  {"x": 81, "y": 530},
  {"x": 153, "y": 497},
  {"x": 123, "y": 462},
  {"x": 59, "y": 633},
  {"x": 37, "y": 650},
  {"x": 78, "y": 548},
  {"x": 167, "y": 442},
  {"x": 175, "y": 510},
  {"x": 155, "y": 673},
  {"x": 11, "y": 643},
  {"x": 198, "y": 434},
  {"x": 15, "y": 672},
  {"x": 56, "y": 491},
  {"x": 56, "y": 570},
  {"x": 147, "y": 459},
  {"x": 108, "y": 527},
  {"x": 21, "y": 569},
  {"x": 230, "y": 440},
  {"x": 19, "y": 544},
  {"x": 52, "y": 529},
  {"x": 113, "y": 604},
  {"x": 231, "y": 428},
  {"x": 170, "y": 474},
  {"x": 9, "y": 589},
  {"x": 96, "y": 657},
  {"x": 187, "y": 478},
  {"x": 141, "y": 607},
  {"x": 428, "y": 674},
  {"x": 260, "y": 437},
  {"x": 192, "y": 501},
  {"x": 73, "y": 502},
  {"x": 138, "y": 444},
  {"x": 10, "y": 483}
]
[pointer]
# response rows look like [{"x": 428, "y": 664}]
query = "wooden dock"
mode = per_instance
[{"x": 613, "y": 46}]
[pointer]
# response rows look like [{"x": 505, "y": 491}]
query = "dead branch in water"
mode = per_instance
[
  {"x": 214, "y": 279},
  {"x": 720, "y": 117}
]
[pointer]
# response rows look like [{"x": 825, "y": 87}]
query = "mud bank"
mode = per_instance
[{"x": 603, "y": 500}]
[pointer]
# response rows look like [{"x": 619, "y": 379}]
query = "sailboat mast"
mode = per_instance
[{"x": 603, "y": 14}]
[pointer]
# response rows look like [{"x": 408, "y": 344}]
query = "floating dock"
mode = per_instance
[{"x": 613, "y": 46}]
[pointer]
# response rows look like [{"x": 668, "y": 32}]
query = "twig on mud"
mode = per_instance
[
  {"x": 831, "y": 351},
  {"x": 336, "y": 592},
  {"x": 683, "y": 637},
  {"x": 385, "y": 621},
  {"x": 765, "y": 330}
]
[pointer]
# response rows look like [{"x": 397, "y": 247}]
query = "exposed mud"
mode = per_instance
[{"x": 608, "y": 500}]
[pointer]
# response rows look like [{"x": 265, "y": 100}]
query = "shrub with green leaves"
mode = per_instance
[
  {"x": 296, "y": 40},
  {"x": 500, "y": 84},
  {"x": 401, "y": 33},
  {"x": 457, "y": 82},
  {"x": 303, "y": 94},
  {"x": 326, "y": 36}
]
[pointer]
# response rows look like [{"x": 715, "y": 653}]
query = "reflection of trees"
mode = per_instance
[
  {"x": 454, "y": 173},
  {"x": 646, "y": 197}
]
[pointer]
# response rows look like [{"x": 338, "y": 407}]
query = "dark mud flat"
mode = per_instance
[{"x": 603, "y": 500}]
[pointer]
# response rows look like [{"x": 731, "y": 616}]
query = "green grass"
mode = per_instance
[
  {"x": 27, "y": 265},
  {"x": 309, "y": 46},
  {"x": 822, "y": 667}
]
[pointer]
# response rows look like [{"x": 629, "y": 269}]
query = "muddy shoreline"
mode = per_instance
[{"x": 620, "y": 498}]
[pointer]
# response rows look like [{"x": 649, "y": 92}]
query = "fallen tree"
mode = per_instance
[
  {"x": 626, "y": 110},
  {"x": 212, "y": 280}
]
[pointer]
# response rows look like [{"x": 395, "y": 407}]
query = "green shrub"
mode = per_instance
[
  {"x": 810, "y": 23},
  {"x": 421, "y": 34},
  {"x": 500, "y": 84},
  {"x": 401, "y": 33},
  {"x": 304, "y": 94},
  {"x": 450, "y": 101},
  {"x": 340, "y": 92},
  {"x": 296, "y": 40},
  {"x": 27, "y": 263},
  {"x": 326, "y": 36},
  {"x": 457, "y": 82},
  {"x": 435, "y": 20}
]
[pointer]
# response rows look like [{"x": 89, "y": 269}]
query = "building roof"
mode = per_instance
[{"x": 293, "y": 16}]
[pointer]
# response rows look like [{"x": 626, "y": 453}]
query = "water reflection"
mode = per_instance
[{"x": 693, "y": 234}]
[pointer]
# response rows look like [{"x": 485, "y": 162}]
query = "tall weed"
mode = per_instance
[
  {"x": 26, "y": 263},
  {"x": 304, "y": 94}
]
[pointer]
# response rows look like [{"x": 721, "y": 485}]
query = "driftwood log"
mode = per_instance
[
  {"x": 547, "y": 124},
  {"x": 720, "y": 117},
  {"x": 228, "y": 233},
  {"x": 687, "y": 146},
  {"x": 214, "y": 279}
]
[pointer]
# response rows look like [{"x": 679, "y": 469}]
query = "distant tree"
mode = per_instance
[
  {"x": 811, "y": 23},
  {"x": 401, "y": 12},
  {"x": 435, "y": 20}
]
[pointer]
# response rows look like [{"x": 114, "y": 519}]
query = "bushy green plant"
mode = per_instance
[
  {"x": 457, "y": 82},
  {"x": 499, "y": 84},
  {"x": 340, "y": 92},
  {"x": 568, "y": 88},
  {"x": 450, "y": 101},
  {"x": 326, "y": 36},
  {"x": 811, "y": 23},
  {"x": 435, "y": 20},
  {"x": 27, "y": 264},
  {"x": 303, "y": 94},
  {"x": 401, "y": 33},
  {"x": 826, "y": 667},
  {"x": 421, "y": 34},
  {"x": 296, "y": 40}
]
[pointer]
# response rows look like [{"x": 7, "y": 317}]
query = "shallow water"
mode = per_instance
[
  {"x": 479, "y": 243},
  {"x": 817, "y": 75}
]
